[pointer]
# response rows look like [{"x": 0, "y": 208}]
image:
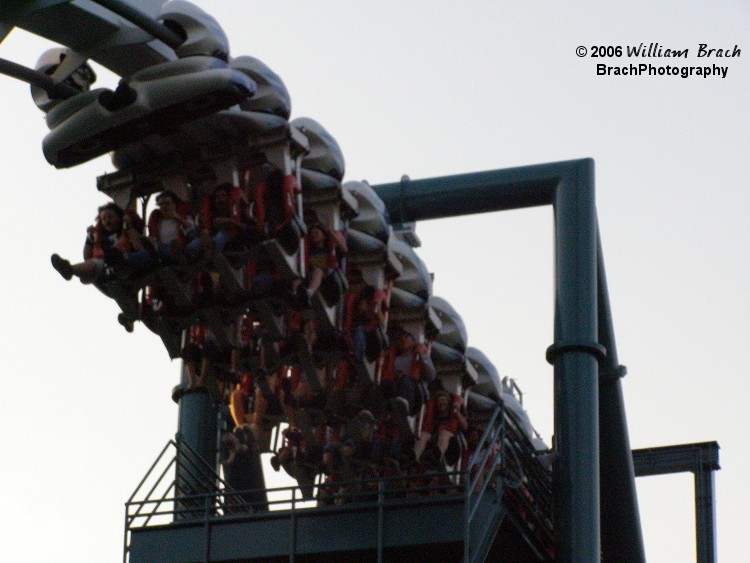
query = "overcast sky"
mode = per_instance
[{"x": 425, "y": 89}]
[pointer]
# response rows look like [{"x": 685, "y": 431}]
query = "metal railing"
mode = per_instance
[
  {"x": 479, "y": 473},
  {"x": 502, "y": 464},
  {"x": 160, "y": 488}
]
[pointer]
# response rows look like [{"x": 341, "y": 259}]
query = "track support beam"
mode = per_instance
[
  {"x": 582, "y": 352},
  {"x": 702, "y": 459}
]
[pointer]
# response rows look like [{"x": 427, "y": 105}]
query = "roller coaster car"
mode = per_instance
[
  {"x": 322, "y": 167},
  {"x": 448, "y": 350},
  {"x": 453, "y": 332},
  {"x": 367, "y": 240},
  {"x": 155, "y": 99},
  {"x": 413, "y": 287},
  {"x": 260, "y": 356},
  {"x": 274, "y": 202},
  {"x": 318, "y": 186},
  {"x": 329, "y": 298},
  {"x": 364, "y": 247},
  {"x": 452, "y": 367},
  {"x": 177, "y": 280},
  {"x": 260, "y": 120},
  {"x": 488, "y": 380},
  {"x": 296, "y": 351},
  {"x": 270, "y": 315},
  {"x": 333, "y": 287},
  {"x": 178, "y": 287},
  {"x": 372, "y": 218},
  {"x": 271, "y": 96},
  {"x": 221, "y": 325},
  {"x": 512, "y": 399},
  {"x": 325, "y": 155},
  {"x": 219, "y": 131},
  {"x": 490, "y": 385}
]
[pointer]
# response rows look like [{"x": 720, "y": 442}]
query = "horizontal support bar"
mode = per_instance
[
  {"x": 477, "y": 192},
  {"x": 676, "y": 459}
]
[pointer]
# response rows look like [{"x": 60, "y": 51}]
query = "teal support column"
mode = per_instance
[
  {"x": 196, "y": 463},
  {"x": 622, "y": 537},
  {"x": 705, "y": 515},
  {"x": 702, "y": 459},
  {"x": 574, "y": 355},
  {"x": 467, "y": 194},
  {"x": 577, "y": 350}
]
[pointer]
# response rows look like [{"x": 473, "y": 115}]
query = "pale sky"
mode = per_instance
[{"x": 425, "y": 89}]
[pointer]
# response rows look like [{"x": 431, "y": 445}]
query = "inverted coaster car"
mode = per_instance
[
  {"x": 368, "y": 231},
  {"x": 448, "y": 350},
  {"x": 156, "y": 99},
  {"x": 258, "y": 120},
  {"x": 325, "y": 155},
  {"x": 413, "y": 287},
  {"x": 488, "y": 381}
]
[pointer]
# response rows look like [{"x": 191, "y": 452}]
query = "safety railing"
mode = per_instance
[
  {"x": 507, "y": 462},
  {"x": 289, "y": 502},
  {"x": 528, "y": 487},
  {"x": 479, "y": 473},
  {"x": 167, "y": 498},
  {"x": 502, "y": 464}
]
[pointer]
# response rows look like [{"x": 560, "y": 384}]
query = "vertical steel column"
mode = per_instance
[
  {"x": 622, "y": 538},
  {"x": 569, "y": 187},
  {"x": 702, "y": 459},
  {"x": 197, "y": 424},
  {"x": 705, "y": 516},
  {"x": 196, "y": 428},
  {"x": 574, "y": 356}
]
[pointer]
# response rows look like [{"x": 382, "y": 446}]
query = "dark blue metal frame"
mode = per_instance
[
  {"x": 586, "y": 372},
  {"x": 701, "y": 459}
]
